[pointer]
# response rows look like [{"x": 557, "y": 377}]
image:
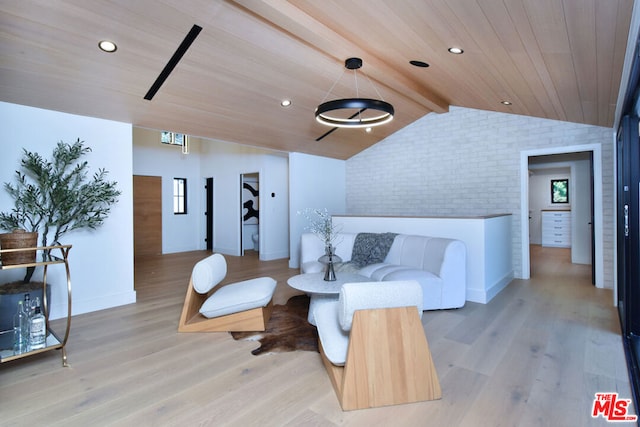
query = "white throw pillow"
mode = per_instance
[{"x": 208, "y": 272}]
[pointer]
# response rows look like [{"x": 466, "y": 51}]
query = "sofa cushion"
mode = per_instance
[
  {"x": 240, "y": 296},
  {"x": 371, "y": 295},
  {"x": 334, "y": 318},
  {"x": 334, "y": 340},
  {"x": 423, "y": 252},
  {"x": 311, "y": 267},
  {"x": 408, "y": 273},
  {"x": 432, "y": 285},
  {"x": 383, "y": 271}
]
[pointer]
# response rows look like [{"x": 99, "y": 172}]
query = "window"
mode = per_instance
[
  {"x": 179, "y": 196},
  {"x": 172, "y": 138},
  {"x": 178, "y": 139}
]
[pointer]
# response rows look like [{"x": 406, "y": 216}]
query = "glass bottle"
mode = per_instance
[
  {"x": 20, "y": 329},
  {"x": 27, "y": 305},
  {"x": 37, "y": 328}
]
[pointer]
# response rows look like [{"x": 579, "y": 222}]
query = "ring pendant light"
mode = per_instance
[{"x": 328, "y": 113}]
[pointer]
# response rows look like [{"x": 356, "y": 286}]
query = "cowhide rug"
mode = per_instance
[{"x": 287, "y": 329}]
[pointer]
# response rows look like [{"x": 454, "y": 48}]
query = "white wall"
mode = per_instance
[
  {"x": 150, "y": 157},
  {"x": 225, "y": 163},
  {"x": 581, "y": 213},
  {"x": 314, "y": 183},
  {"x": 467, "y": 162},
  {"x": 274, "y": 207},
  {"x": 101, "y": 261}
]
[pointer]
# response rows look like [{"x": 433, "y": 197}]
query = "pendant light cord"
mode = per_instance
[
  {"x": 334, "y": 85},
  {"x": 374, "y": 88}
]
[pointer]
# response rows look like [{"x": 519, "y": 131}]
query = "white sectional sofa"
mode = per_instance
[{"x": 438, "y": 264}]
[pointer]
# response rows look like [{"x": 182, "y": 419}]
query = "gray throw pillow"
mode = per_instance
[{"x": 371, "y": 248}]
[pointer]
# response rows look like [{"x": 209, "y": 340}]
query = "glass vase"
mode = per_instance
[{"x": 329, "y": 259}]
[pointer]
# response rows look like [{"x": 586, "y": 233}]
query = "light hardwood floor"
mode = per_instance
[{"x": 534, "y": 356}]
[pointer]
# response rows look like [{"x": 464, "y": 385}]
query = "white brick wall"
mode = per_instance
[{"x": 467, "y": 162}]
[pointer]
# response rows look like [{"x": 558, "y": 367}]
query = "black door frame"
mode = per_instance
[
  {"x": 209, "y": 213},
  {"x": 628, "y": 227}
]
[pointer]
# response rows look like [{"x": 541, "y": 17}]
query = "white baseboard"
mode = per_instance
[
  {"x": 484, "y": 296},
  {"x": 89, "y": 305},
  {"x": 476, "y": 295},
  {"x": 499, "y": 286},
  {"x": 270, "y": 256}
]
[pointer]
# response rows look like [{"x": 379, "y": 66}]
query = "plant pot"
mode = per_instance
[{"x": 18, "y": 239}]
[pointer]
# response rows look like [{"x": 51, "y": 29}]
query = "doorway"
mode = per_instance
[
  {"x": 147, "y": 215},
  {"x": 208, "y": 213},
  {"x": 250, "y": 212},
  {"x": 597, "y": 221},
  {"x": 565, "y": 222}
]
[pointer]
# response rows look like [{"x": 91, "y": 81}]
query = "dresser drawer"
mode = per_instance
[
  {"x": 557, "y": 214},
  {"x": 556, "y": 229}
]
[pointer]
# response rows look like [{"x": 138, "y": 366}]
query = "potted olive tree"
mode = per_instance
[{"x": 51, "y": 198}]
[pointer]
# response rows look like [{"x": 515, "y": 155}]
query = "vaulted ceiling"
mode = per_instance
[{"x": 556, "y": 59}]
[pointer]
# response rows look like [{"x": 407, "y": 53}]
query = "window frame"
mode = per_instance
[{"x": 179, "y": 200}]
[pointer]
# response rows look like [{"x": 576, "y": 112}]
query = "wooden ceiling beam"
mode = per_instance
[{"x": 317, "y": 35}]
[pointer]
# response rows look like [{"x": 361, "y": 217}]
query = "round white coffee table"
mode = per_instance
[{"x": 320, "y": 290}]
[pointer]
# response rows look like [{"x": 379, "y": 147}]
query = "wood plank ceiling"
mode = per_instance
[{"x": 557, "y": 59}]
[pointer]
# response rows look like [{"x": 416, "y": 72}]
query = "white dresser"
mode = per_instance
[{"x": 556, "y": 228}]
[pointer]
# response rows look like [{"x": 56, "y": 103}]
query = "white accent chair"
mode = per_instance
[
  {"x": 373, "y": 345},
  {"x": 238, "y": 307}
]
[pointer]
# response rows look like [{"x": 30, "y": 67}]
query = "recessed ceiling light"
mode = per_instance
[
  {"x": 285, "y": 103},
  {"x": 107, "y": 46},
  {"x": 505, "y": 102},
  {"x": 368, "y": 130},
  {"x": 420, "y": 64},
  {"x": 455, "y": 50}
]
